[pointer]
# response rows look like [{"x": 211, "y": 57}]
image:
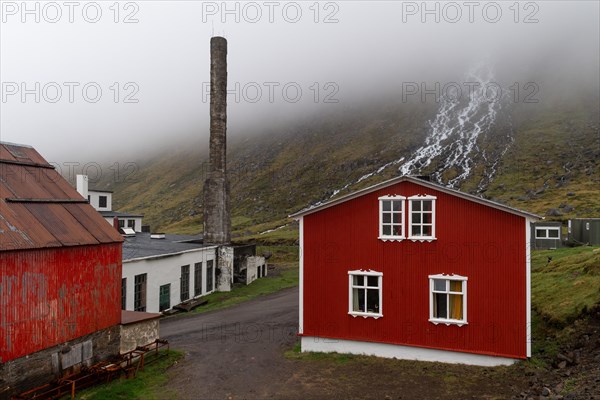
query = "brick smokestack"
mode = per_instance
[{"x": 217, "y": 219}]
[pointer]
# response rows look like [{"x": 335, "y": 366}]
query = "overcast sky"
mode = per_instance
[{"x": 150, "y": 60}]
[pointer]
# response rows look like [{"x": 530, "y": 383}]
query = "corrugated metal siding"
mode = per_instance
[
  {"x": 50, "y": 296},
  {"x": 485, "y": 244}
]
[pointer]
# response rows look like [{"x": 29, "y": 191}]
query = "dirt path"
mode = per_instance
[{"x": 237, "y": 353}]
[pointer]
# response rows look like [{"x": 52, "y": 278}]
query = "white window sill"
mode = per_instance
[
  {"x": 447, "y": 322},
  {"x": 364, "y": 314},
  {"x": 422, "y": 238},
  {"x": 391, "y": 238}
]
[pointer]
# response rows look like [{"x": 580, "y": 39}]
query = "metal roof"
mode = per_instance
[
  {"x": 142, "y": 246},
  {"x": 417, "y": 181},
  {"x": 38, "y": 207}
]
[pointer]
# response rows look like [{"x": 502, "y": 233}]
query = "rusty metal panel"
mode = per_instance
[
  {"x": 15, "y": 152},
  {"x": 61, "y": 224},
  {"x": 19, "y": 229},
  {"x": 33, "y": 155},
  {"x": 53, "y": 178},
  {"x": 24, "y": 181},
  {"x": 94, "y": 222},
  {"x": 50, "y": 296},
  {"x": 5, "y": 154}
]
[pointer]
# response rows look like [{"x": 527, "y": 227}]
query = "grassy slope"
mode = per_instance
[
  {"x": 568, "y": 285},
  {"x": 553, "y": 162},
  {"x": 555, "y": 154}
]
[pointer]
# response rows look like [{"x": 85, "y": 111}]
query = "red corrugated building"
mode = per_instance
[
  {"x": 411, "y": 269},
  {"x": 60, "y": 274}
]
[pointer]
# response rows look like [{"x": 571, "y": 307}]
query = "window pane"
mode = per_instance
[
  {"x": 456, "y": 286},
  {"x": 373, "y": 281},
  {"x": 359, "y": 280},
  {"x": 456, "y": 308},
  {"x": 397, "y": 205},
  {"x": 358, "y": 300},
  {"x": 416, "y": 230},
  {"x": 426, "y": 205},
  {"x": 541, "y": 233},
  {"x": 439, "y": 305},
  {"x": 427, "y": 230},
  {"x": 439, "y": 284},
  {"x": 397, "y": 218},
  {"x": 416, "y": 218},
  {"x": 373, "y": 300},
  {"x": 386, "y": 205},
  {"x": 397, "y": 230},
  {"x": 387, "y": 230},
  {"x": 416, "y": 205},
  {"x": 164, "y": 301},
  {"x": 386, "y": 217},
  {"x": 553, "y": 233},
  {"x": 197, "y": 279},
  {"x": 426, "y": 218}
]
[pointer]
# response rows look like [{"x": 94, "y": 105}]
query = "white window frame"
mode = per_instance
[
  {"x": 448, "y": 321},
  {"x": 366, "y": 274},
  {"x": 392, "y": 237},
  {"x": 547, "y": 229},
  {"x": 410, "y": 222}
]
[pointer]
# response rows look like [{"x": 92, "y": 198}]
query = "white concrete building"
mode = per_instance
[
  {"x": 101, "y": 200},
  {"x": 161, "y": 273}
]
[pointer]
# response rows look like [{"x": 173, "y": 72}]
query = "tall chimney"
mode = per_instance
[{"x": 217, "y": 220}]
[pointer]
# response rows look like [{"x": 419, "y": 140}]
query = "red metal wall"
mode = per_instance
[
  {"x": 483, "y": 243},
  {"x": 49, "y": 296}
]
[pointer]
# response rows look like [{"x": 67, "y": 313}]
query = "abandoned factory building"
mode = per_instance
[{"x": 60, "y": 274}]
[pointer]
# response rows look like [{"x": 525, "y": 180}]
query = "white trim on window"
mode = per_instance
[
  {"x": 463, "y": 292},
  {"x": 421, "y": 238},
  {"x": 546, "y": 232},
  {"x": 365, "y": 286},
  {"x": 391, "y": 224}
]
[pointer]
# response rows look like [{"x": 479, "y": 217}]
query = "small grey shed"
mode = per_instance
[{"x": 546, "y": 235}]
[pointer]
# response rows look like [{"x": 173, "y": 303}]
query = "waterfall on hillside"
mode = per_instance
[
  {"x": 452, "y": 143},
  {"x": 452, "y": 140}
]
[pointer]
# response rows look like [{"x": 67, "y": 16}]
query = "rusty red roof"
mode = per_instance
[{"x": 39, "y": 208}]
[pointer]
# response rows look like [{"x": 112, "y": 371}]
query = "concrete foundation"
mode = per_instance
[{"x": 38, "y": 368}]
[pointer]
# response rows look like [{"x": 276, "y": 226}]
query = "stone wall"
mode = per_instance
[
  {"x": 138, "y": 334},
  {"x": 38, "y": 368}
]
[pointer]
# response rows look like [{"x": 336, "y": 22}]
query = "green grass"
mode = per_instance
[
  {"x": 286, "y": 277},
  {"x": 568, "y": 285},
  {"x": 338, "y": 358},
  {"x": 147, "y": 385},
  {"x": 280, "y": 254}
]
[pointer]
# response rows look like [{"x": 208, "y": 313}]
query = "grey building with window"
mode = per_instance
[{"x": 546, "y": 235}]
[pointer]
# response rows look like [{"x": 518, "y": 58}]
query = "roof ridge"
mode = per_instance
[{"x": 418, "y": 181}]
